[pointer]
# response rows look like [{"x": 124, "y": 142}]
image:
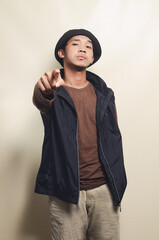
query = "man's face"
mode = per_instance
[{"x": 78, "y": 52}]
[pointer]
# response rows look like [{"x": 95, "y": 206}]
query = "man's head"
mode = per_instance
[{"x": 78, "y": 36}]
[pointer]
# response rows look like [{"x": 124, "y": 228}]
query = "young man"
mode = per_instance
[{"x": 82, "y": 167}]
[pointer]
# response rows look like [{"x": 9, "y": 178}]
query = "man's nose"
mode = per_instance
[{"x": 82, "y": 50}]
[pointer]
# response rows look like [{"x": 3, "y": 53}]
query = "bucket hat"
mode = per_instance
[{"x": 74, "y": 32}]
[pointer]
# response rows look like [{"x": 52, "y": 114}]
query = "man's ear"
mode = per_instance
[
  {"x": 92, "y": 60},
  {"x": 61, "y": 53}
]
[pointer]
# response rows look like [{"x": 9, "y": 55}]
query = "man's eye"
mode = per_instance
[
  {"x": 88, "y": 47},
  {"x": 74, "y": 44}
]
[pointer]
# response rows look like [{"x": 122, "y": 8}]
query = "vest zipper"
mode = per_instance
[
  {"x": 110, "y": 172},
  {"x": 78, "y": 159}
]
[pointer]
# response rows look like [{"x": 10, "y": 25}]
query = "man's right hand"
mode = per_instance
[{"x": 49, "y": 81}]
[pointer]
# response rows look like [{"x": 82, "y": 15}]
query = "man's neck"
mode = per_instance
[{"x": 75, "y": 78}]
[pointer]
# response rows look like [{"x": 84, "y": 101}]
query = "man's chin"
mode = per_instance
[
  {"x": 78, "y": 66},
  {"x": 82, "y": 65}
]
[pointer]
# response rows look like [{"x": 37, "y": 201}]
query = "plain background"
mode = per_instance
[{"x": 128, "y": 33}]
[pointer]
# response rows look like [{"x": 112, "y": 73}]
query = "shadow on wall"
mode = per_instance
[
  {"x": 34, "y": 223},
  {"x": 24, "y": 213},
  {"x": 34, "y": 217}
]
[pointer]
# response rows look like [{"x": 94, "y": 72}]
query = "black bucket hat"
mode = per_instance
[{"x": 74, "y": 32}]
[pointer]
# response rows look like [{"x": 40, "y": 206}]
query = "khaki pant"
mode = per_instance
[{"x": 93, "y": 218}]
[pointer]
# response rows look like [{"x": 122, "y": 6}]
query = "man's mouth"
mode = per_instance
[{"x": 81, "y": 57}]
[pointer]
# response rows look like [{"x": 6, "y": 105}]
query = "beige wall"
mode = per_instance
[{"x": 128, "y": 32}]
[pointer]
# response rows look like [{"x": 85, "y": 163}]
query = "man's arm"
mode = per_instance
[{"x": 43, "y": 95}]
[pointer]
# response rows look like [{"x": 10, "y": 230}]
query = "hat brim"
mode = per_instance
[{"x": 74, "y": 32}]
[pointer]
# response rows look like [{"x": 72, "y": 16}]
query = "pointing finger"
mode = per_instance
[{"x": 56, "y": 74}]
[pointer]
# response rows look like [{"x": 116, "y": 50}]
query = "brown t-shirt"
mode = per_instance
[{"x": 91, "y": 171}]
